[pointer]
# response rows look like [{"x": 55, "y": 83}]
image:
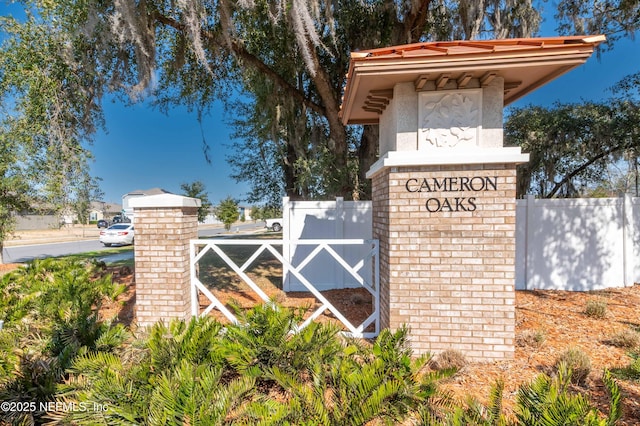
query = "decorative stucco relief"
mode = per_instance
[{"x": 449, "y": 120}]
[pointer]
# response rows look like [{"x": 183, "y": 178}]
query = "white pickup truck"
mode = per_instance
[{"x": 274, "y": 224}]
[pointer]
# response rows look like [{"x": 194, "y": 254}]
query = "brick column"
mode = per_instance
[
  {"x": 164, "y": 224},
  {"x": 447, "y": 256}
]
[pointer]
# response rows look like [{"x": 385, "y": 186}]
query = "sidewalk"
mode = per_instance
[{"x": 46, "y": 236}]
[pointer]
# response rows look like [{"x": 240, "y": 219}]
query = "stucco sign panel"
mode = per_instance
[{"x": 449, "y": 119}]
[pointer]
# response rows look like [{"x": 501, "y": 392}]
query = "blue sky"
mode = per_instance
[{"x": 143, "y": 148}]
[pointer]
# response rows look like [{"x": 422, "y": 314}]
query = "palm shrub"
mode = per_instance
[
  {"x": 50, "y": 312},
  {"x": 383, "y": 383},
  {"x": 195, "y": 341},
  {"x": 173, "y": 376},
  {"x": 195, "y": 394},
  {"x": 548, "y": 402},
  {"x": 472, "y": 412},
  {"x": 267, "y": 336}
]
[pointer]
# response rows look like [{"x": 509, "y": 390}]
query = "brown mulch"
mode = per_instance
[
  {"x": 8, "y": 267},
  {"x": 557, "y": 315},
  {"x": 560, "y": 317}
]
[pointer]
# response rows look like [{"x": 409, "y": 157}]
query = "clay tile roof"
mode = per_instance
[{"x": 524, "y": 63}]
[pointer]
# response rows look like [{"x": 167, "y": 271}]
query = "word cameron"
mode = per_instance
[{"x": 452, "y": 184}]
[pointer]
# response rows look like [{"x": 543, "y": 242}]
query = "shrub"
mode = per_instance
[
  {"x": 547, "y": 401},
  {"x": 50, "y": 313},
  {"x": 577, "y": 362},
  {"x": 596, "y": 309},
  {"x": 531, "y": 338},
  {"x": 627, "y": 338},
  {"x": 449, "y": 359}
]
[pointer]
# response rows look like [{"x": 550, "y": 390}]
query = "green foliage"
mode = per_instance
[
  {"x": 263, "y": 339},
  {"x": 202, "y": 373},
  {"x": 50, "y": 313},
  {"x": 49, "y": 113},
  {"x": 227, "y": 212},
  {"x": 195, "y": 342},
  {"x": 197, "y": 189},
  {"x": 194, "y": 394},
  {"x": 549, "y": 402},
  {"x": 546, "y": 401},
  {"x": 473, "y": 412},
  {"x": 262, "y": 370},
  {"x": 382, "y": 384},
  {"x": 571, "y": 145},
  {"x": 631, "y": 371},
  {"x": 265, "y": 212},
  {"x": 14, "y": 186}
]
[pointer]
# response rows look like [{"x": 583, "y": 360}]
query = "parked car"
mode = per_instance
[
  {"x": 102, "y": 223},
  {"x": 121, "y": 219},
  {"x": 274, "y": 224},
  {"x": 120, "y": 233}
]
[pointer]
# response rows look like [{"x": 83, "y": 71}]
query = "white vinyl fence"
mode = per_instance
[
  {"x": 576, "y": 244},
  {"x": 327, "y": 220}
]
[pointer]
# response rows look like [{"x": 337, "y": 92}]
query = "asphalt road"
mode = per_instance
[{"x": 19, "y": 254}]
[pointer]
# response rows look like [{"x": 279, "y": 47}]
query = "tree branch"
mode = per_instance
[
  {"x": 241, "y": 52},
  {"x": 568, "y": 177}
]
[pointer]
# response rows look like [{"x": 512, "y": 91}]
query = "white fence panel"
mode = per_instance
[
  {"x": 634, "y": 240},
  {"x": 337, "y": 220},
  {"x": 367, "y": 266},
  {"x": 576, "y": 244}
]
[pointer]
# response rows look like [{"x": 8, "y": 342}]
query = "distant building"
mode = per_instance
[
  {"x": 47, "y": 217},
  {"x": 128, "y": 211},
  {"x": 101, "y": 210}
]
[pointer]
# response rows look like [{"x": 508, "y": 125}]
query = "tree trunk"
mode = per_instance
[{"x": 367, "y": 155}]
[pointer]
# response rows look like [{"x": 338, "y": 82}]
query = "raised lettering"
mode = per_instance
[
  {"x": 492, "y": 183},
  {"x": 439, "y": 186},
  {"x": 406, "y": 185},
  {"x": 464, "y": 184},
  {"x": 459, "y": 204},
  {"x": 430, "y": 205},
  {"x": 425, "y": 184},
  {"x": 472, "y": 204}
]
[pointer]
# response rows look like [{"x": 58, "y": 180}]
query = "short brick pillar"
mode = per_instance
[{"x": 164, "y": 224}]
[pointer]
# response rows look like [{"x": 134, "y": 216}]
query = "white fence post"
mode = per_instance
[
  {"x": 286, "y": 236},
  {"x": 339, "y": 273},
  {"x": 628, "y": 231},
  {"x": 529, "y": 240}
]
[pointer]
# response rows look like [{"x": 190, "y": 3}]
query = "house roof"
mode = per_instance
[
  {"x": 106, "y": 207},
  {"x": 524, "y": 63},
  {"x": 152, "y": 191}
]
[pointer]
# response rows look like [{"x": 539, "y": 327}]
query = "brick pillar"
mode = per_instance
[
  {"x": 164, "y": 224},
  {"x": 447, "y": 256}
]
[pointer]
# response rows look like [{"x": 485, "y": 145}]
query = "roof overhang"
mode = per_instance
[{"x": 524, "y": 64}]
